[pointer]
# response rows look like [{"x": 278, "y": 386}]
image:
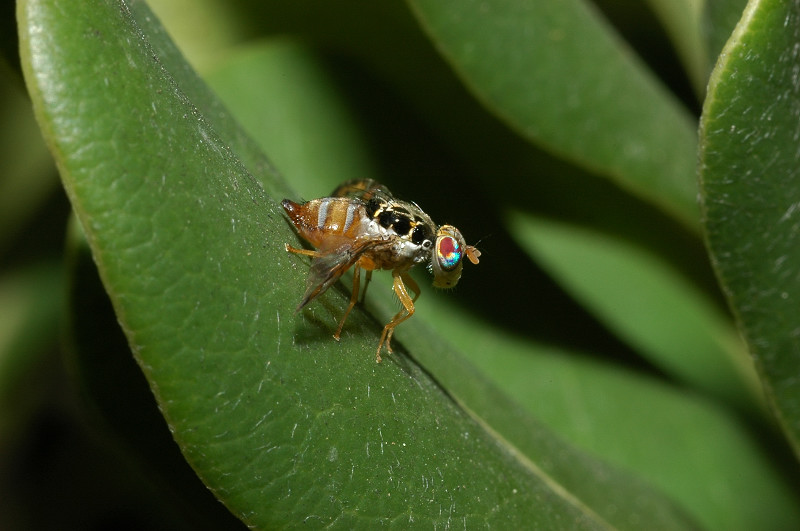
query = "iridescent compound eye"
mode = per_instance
[
  {"x": 448, "y": 252},
  {"x": 446, "y": 263}
]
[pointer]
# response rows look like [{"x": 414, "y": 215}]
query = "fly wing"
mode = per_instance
[
  {"x": 330, "y": 265},
  {"x": 363, "y": 189}
]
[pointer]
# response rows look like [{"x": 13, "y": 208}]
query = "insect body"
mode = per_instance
[{"x": 362, "y": 226}]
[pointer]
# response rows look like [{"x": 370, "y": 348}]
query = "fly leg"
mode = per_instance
[
  {"x": 353, "y": 298},
  {"x": 400, "y": 281},
  {"x": 306, "y": 252},
  {"x": 366, "y": 285},
  {"x": 412, "y": 285}
]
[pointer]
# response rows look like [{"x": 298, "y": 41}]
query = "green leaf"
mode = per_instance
[
  {"x": 750, "y": 180},
  {"x": 205, "y": 29},
  {"x": 647, "y": 303},
  {"x": 683, "y": 21},
  {"x": 28, "y": 176},
  {"x": 720, "y": 18},
  {"x": 118, "y": 403},
  {"x": 698, "y": 29},
  {"x": 286, "y": 426},
  {"x": 30, "y": 307},
  {"x": 469, "y": 388},
  {"x": 295, "y": 63},
  {"x": 625, "y": 418},
  {"x": 283, "y": 95},
  {"x": 587, "y": 411},
  {"x": 558, "y": 75}
]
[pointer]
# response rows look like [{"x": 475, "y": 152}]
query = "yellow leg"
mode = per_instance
[
  {"x": 305, "y": 252},
  {"x": 366, "y": 285},
  {"x": 353, "y": 300},
  {"x": 406, "y": 312},
  {"x": 412, "y": 285}
]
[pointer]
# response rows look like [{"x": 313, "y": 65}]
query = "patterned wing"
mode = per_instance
[{"x": 329, "y": 266}]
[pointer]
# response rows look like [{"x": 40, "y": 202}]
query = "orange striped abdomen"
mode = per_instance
[{"x": 328, "y": 218}]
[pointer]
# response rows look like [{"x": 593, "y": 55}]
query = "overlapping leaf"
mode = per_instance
[
  {"x": 284, "y": 425},
  {"x": 751, "y": 191},
  {"x": 662, "y": 315},
  {"x": 612, "y": 116}
]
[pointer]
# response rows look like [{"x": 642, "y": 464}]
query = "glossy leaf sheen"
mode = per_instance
[
  {"x": 556, "y": 73},
  {"x": 750, "y": 175},
  {"x": 285, "y": 426}
]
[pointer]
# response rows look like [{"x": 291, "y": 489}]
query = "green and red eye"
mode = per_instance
[
  {"x": 447, "y": 260},
  {"x": 448, "y": 252}
]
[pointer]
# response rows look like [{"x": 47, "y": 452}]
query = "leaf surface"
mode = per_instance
[
  {"x": 647, "y": 303},
  {"x": 626, "y": 417},
  {"x": 683, "y": 21},
  {"x": 286, "y": 426},
  {"x": 557, "y": 74},
  {"x": 750, "y": 176},
  {"x": 283, "y": 95}
]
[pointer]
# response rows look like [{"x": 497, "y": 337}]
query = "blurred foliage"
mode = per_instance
[{"x": 561, "y": 137}]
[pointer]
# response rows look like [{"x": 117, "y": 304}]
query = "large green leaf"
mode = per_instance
[
  {"x": 661, "y": 315},
  {"x": 289, "y": 105},
  {"x": 118, "y": 403},
  {"x": 678, "y": 440},
  {"x": 556, "y": 73},
  {"x": 750, "y": 175},
  {"x": 284, "y": 425}
]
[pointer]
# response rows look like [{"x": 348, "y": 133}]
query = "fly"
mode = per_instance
[{"x": 361, "y": 225}]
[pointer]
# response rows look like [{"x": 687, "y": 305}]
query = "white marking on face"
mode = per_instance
[{"x": 374, "y": 228}]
